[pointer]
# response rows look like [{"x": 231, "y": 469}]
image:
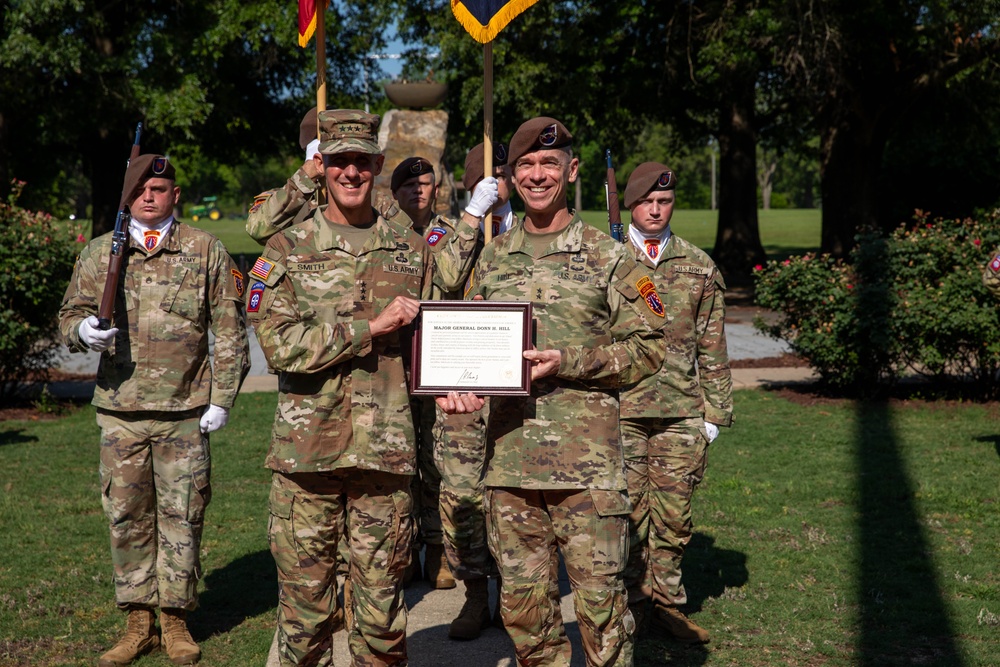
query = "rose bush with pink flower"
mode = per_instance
[
  {"x": 36, "y": 262},
  {"x": 909, "y": 302}
]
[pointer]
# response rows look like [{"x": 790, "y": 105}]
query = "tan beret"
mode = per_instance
[
  {"x": 646, "y": 177},
  {"x": 536, "y": 134},
  {"x": 474, "y": 163}
]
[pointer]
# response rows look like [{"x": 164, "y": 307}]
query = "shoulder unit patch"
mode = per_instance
[{"x": 647, "y": 290}]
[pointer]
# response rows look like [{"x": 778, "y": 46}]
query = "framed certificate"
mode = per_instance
[{"x": 472, "y": 346}]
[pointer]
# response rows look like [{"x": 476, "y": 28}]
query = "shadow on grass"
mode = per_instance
[
  {"x": 242, "y": 589},
  {"x": 15, "y": 436},
  {"x": 995, "y": 439},
  {"x": 709, "y": 570},
  {"x": 902, "y": 616}
]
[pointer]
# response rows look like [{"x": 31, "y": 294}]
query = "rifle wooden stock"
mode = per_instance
[
  {"x": 119, "y": 239},
  {"x": 615, "y": 225}
]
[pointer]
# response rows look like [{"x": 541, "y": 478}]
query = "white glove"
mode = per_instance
[
  {"x": 712, "y": 430},
  {"x": 214, "y": 419},
  {"x": 486, "y": 193},
  {"x": 94, "y": 338},
  {"x": 312, "y": 149}
]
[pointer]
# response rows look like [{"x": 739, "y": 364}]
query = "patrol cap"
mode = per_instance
[
  {"x": 474, "y": 162},
  {"x": 646, "y": 177},
  {"x": 145, "y": 167},
  {"x": 348, "y": 131},
  {"x": 411, "y": 167},
  {"x": 307, "y": 128},
  {"x": 536, "y": 134}
]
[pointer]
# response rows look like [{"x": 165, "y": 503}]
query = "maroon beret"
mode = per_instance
[
  {"x": 411, "y": 167},
  {"x": 142, "y": 169},
  {"x": 538, "y": 133},
  {"x": 474, "y": 163},
  {"x": 307, "y": 128},
  {"x": 646, "y": 177}
]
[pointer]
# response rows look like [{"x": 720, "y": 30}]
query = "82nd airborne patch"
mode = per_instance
[
  {"x": 995, "y": 264},
  {"x": 256, "y": 296},
  {"x": 436, "y": 235},
  {"x": 647, "y": 290}
]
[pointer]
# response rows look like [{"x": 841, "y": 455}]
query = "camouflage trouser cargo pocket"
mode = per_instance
[
  {"x": 200, "y": 493},
  {"x": 610, "y": 537}
]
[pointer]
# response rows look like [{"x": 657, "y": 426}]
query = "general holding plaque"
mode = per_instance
[{"x": 472, "y": 346}]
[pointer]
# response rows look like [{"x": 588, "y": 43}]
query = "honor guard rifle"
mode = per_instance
[
  {"x": 615, "y": 225},
  {"x": 118, "y": 240}
]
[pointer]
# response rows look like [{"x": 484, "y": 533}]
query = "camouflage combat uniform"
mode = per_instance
[
  {"x": 663, "y": 419},
  {"x": 991, "y": 276},
  {"x": 555, "y": 474},
  {"x": 152, "y": 387},
  {"x": 343, "y": 437}
]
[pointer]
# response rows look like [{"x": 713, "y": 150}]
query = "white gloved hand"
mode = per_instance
[
  {"x": 214, "y": 419},
  {"x": 712, "y": 430},
  {"x": 485, "y": 194},
  {"x": 312, "y": 149},
  {"x": 95, "y": 338}
]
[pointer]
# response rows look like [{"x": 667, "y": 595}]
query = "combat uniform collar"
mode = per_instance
[
  {"x": 570, "y": 239},
  {"x": 327, "y": 237},
  {"x": 672, "y": 250},
  {"x": 170, "y": 243}
]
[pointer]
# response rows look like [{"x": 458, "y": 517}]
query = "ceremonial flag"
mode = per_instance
[
  {"x": 483, "y": 19},
  {"x": 307, "y": 21}
]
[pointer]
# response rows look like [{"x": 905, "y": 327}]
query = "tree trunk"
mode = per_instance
[
  {"x": 106, "y": 158},
  {"x": 767, "y": 181},
  {"x": 850, "y": 160},
  {"x": 737, "y": 239}
]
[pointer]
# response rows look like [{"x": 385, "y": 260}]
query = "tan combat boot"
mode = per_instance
[
  {"x": 475, "y": 614},
  {"x": 436, "y": 567},
  {"x": 140, "y": 638},
  {"x": 181, "y": 649},
  {"x": 680, "y": 626}
]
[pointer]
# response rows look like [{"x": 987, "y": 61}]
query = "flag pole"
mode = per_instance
[
  {"x": 320, "y": 78},
  {"x": 488, "y": 127},
  {"x": 320, "y": 59}
]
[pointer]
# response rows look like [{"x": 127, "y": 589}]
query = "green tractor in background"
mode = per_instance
[{"x": 207, "y": 208}]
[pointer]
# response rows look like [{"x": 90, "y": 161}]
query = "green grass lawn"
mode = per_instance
[
  {"x": 829, "y": 534},
  {"x": 782, "y": 231}
]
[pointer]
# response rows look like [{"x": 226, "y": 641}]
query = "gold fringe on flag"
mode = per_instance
[{"x": 498, "y": 21}]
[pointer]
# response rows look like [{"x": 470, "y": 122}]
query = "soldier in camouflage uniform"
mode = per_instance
[
  {"x": 991, "y": 276},
  {"x": 555, "y": 474},
  {"x": 669, "y": 419},
  {"x": 414, "y": 186},
  {"x": 330, "y": 299},
  {"x": 158, "y": 396},
  {"x": 274, "y": 210}
]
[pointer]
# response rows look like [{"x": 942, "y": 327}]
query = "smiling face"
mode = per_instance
[
  {"x": 154, "y": 201},
  {"x": 651, "y": 214},
  {"x": 542, "y": 178},
  {"x": 350, "y": 178},
  {"x": 416, "y": 195}
]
